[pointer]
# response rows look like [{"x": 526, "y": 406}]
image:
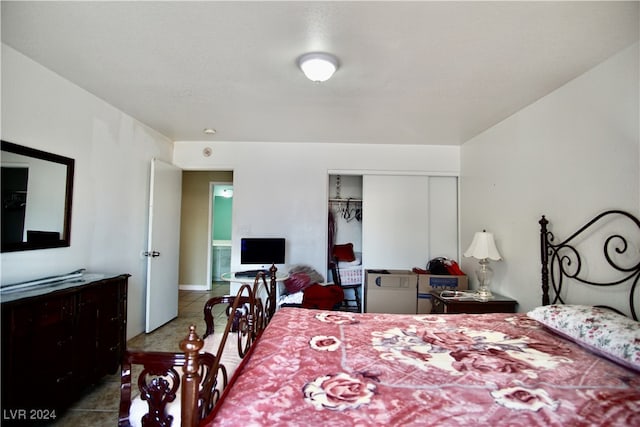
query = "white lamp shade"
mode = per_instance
[
  {"x": 483, "y": 246},
  {"x": 318, "y": 66}
]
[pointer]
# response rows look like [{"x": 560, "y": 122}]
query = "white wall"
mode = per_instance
[
  {"x": 570, "y": 155},
  {"x": 111, "y": 186},
  {"x": 281, "y": 189}
]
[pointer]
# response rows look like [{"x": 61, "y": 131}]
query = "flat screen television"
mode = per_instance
[{"x": 262, "y": 250}]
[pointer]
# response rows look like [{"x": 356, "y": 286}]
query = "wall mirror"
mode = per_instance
[{"x": 37, "y": 188}]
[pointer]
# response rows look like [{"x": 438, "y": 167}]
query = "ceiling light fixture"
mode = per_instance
[
  {"x": 318, "y": 66},
  {"x": 209, "y": 131}
]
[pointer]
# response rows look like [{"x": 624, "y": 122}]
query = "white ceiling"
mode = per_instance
[{"x": 411, "y": 72}]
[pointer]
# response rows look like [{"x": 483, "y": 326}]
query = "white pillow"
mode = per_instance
[
  {"x": 355, "y": 262},
  {"x": 602, "y": 331},
  {"x": 295, "y": 298}
]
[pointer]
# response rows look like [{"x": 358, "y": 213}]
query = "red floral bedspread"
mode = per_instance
[{"x": 323, "y": 368}]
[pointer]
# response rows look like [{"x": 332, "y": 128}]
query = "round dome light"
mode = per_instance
[{"x": 318, "y": 66}]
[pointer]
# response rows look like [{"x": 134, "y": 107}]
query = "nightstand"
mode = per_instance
[{"x": 498, "y": 304}]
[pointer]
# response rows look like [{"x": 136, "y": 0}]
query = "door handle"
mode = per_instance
[{"x": 152, "y": 254}]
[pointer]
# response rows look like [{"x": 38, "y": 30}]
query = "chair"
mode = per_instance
[
  {"x": 348, "y": 304},
  {"x": 351, "y": 284},
  {"x": 162, "y": 388}
]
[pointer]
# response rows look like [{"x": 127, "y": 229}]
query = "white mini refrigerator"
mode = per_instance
[{"x": 391, "y": 291}]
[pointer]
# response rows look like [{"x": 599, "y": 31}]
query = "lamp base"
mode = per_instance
[
  {"x": 483, "y": 294},
  {"x": 485, "y": 274}
]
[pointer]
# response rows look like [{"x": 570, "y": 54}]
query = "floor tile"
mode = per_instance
[{"x": 98, "y": 418}]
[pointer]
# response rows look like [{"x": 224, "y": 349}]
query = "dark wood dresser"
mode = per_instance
[{"x": 57, "y": 341}]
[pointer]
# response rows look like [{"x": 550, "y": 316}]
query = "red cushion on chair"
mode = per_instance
[
  {"x": 322, "y": 297},
  {"x": 344, "y": 252}
]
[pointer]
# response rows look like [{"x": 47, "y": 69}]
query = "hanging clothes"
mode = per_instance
[{"x": 331, "y": 235}]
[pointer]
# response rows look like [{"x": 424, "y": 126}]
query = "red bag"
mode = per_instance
[{"x": 453, "y": 268}]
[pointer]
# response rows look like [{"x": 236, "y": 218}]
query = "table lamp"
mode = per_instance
[{"x": 483, "y": 248}]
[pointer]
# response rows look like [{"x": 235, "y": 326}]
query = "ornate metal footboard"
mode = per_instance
[
  {"x": 620, "y": 246},
  {"x": 247, "y": 317},
  {"x": 247, "y": 314},
  {"x": 198, "y": 374}
]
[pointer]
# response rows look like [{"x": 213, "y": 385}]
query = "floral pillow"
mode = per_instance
[{"x": 600, "y": 330}]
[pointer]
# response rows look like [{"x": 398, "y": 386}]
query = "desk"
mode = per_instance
[
  {"x": 498, "y": 304},
  {"x": 235, "y": 283}
]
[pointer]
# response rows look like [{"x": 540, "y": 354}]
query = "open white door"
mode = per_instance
[{"x": 164, "y": 244}]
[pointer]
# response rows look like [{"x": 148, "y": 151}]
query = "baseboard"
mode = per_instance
[{"x": 194, "y": 287}]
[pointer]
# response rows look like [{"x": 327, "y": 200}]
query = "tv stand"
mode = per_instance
[{"x": 236, "y": 280}]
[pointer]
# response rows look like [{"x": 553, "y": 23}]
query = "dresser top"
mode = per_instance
[{"x": 35, "y": 288}]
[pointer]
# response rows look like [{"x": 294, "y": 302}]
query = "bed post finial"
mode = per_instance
[
  {"x": 544, "y": 258},
  {"x": 272, "y": 291},
  {"x": 191, "y": 345}
]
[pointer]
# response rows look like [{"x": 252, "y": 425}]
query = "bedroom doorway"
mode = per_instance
[
  {"x": 197, "y": 226},
  {"x": 221, "y": 204}
]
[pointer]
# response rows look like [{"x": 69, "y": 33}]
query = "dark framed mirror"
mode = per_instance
[{"x": 37, "y": 190}]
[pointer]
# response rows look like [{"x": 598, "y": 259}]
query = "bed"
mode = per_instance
[
  {"x": 343, "y": 369},
  {"x": 557, "y": 365}
]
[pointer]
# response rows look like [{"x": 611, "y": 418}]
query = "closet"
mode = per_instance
[
  {"x": 395, "y": 221},
  {"x": 345, "y": 213}
]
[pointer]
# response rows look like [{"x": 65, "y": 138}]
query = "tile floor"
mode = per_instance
[{"x": 99, "y": 408}]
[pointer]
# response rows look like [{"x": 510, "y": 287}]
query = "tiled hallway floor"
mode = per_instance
[{"x": 100, "y": 407}]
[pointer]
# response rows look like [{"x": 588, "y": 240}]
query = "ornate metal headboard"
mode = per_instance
[{"x": 562, "y": 260}]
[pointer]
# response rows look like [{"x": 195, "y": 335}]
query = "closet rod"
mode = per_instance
[{"x": 346, "y": 200}]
